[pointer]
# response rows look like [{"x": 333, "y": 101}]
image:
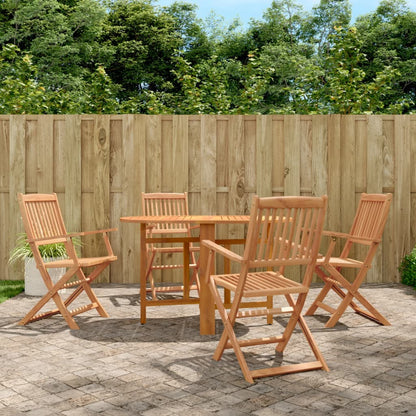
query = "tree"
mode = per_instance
[
  {"x": 389, "y": 39},
  {"x": 323, "y": 21},
  {"x": 61, "y": 37},
  {"x": 338, "y": 85},
  {"x": 143, "y": 41},
  {"x": 20, "y": 92}
]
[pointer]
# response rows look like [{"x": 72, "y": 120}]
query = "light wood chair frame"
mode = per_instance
[
  {"x": 283, "y": 232},
  {"x": 170, "y": 203},
  {"x": 366, "y": 232},
  {"x": 43, "y": 223}
]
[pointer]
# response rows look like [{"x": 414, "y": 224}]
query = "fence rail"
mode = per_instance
[{"x": 99, "y": 164}]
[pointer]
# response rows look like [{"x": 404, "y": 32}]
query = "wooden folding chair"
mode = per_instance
[
  {"x": 284, "y": 232},
  {"x": 366, "y": 231},
  {"x": 43, "y": 223},
  {"x": 156, "y": 204}
]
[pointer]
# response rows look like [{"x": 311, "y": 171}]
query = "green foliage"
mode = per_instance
[
  {"x": 62, "y": 37},
  {"x": 132, "y": 56},
  {"x": 407, "y": 269},
  {"x": 10, "y": 288},
  {"x": 337, "y": 83},
  {"x": 20, "y": 92},
  {"x": 214, "y": 86},
  {"x": 142, "y": 41}
]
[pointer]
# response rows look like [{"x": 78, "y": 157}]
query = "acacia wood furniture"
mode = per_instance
[
  {"x": 169, "y": 204},
  {"x": 207, "y": 224},
  {"x": 43, "y": 223},
  {"x": 366, "y": 232},
  {"x": 283, "y": 232}
]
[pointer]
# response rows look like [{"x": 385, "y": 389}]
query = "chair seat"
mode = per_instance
[
  {"x": 341, "y": 262},
  {"x": 261, "y": 284},
  {"x": 84, "y": 262}
]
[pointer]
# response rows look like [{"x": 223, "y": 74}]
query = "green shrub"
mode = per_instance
[
  {"x": 22, "y": 249},
  {"x": 407, "y": 268}
]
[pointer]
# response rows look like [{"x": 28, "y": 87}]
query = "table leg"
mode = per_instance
[
  {"x": 206, "y": 301},
  {"x": 143, "y": 265}
]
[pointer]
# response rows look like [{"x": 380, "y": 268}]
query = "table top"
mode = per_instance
[{"x": 198, "y": 219}]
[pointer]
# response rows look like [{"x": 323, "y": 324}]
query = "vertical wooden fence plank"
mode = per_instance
[
  {"x": 306, "y": 173},
  {"x": 413, "y": 181},
  {"x": 278, "y": 151},
  {"x": 208, "y": 165},
  {"x": 334, "y": 171},
  {"x": 250, "y": 150},
  {"x": 389, "y": 267},
  {"x": 223, "y": 168},
  {"x": 31, "y": 154},
  {"x": 167, "y": 157},
  {"x": 16, "y": 183},
  {"x": 292, "y": 166},
  {"x": 348, "y": 173},
  {"x": 319, "y": 156},
  {"x": 264, "y": 156},
  {"x": 134, "y": 167},
  {"x": 194, "y": 164},
  {"x": 237, "y": 195},
  {"x": 44, "y": 147},
  {"x": 375, "y": 181},
  {"x": 401, "y": 198},
  {"x": 153, "y": 165},
  {"x": 116, "y": 193},
  {"x": 180, "y": 152},
  {"x": 101, "y": 198},
  {"x": 292, "y": 155},
  {"x": 153, "y": 154},
  {"x": 72, "y": 166},
  {"x": 6, "y": 243}
]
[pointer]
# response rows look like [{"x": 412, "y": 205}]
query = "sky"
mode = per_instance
[{"x": 246, "y": 9}]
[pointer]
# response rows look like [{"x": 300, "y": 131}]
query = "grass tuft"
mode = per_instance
[{"x": 10, "y": 288}]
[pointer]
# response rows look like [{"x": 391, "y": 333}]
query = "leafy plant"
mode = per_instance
[
  {"x": 407, "y": 268},
  {"x": 10, "y": 288},
  {"x": 22, "y": 249}
]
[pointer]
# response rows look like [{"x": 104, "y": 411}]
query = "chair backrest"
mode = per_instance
[
  {"x": 166, "y": 204},
  {"x": 371, "y": 216},
  {"x": 43, "y": 223},
  {"x": 42, "y": 217},
  {"x": 285, "y": 231}
]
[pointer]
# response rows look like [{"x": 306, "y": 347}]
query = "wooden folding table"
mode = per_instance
[{"x": 207, "y": 225}]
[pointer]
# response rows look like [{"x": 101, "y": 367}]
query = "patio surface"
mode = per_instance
[{"x": 115, "y": 366}]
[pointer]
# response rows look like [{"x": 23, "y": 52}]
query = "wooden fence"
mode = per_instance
[{"x": 99, "y": 164}]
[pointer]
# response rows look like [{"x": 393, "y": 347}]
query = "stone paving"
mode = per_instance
[{"x": 115, "y": 366}]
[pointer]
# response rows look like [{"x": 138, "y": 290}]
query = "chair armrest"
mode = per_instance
[
  {"x": 222, "y": 250},
  {"x": 105, "y": 237},
  {"x": 364, "y": 240}
]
